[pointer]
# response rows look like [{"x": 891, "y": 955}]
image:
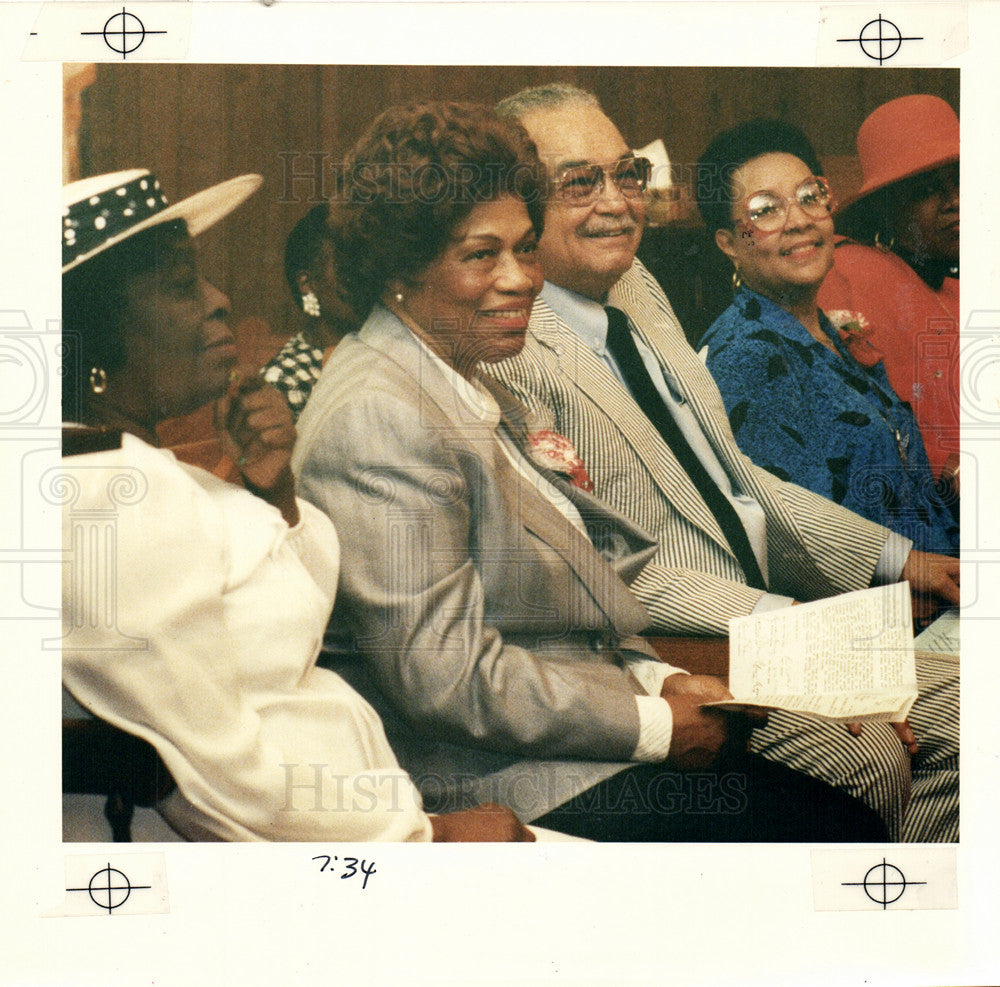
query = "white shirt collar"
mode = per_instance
[
  {"x": 583, "y": 315},
  {"x": 478, "y": 401}
]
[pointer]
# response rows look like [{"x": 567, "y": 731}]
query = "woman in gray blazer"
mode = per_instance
[{"x": 484, "y": 588}]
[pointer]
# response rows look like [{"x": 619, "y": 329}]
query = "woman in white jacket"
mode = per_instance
[{"x": 194, "y": 609}]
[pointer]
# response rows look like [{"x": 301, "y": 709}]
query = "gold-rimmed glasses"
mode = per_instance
[
  {"x": 583, "y": 183},
  {"x": 767, "y": 211}
]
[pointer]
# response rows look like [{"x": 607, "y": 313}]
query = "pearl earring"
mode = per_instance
[
  {"x": 310, "y": 304},
  {"x": 399, "y": 297}
]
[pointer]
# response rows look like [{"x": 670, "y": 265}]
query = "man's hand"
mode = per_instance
[
  {"x": 486, "y": 823},
  {"x": 256, "y": 431},
  {"x": 933, "y": 576},
  {"x": 903, "y": 728},
  {"x": 699, "y": 735}
]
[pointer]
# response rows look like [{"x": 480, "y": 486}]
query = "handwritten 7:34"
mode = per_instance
[{"x": 352, "y": 866}]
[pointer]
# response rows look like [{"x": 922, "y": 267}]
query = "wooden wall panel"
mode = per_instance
[
  {"x": 159, "y": 93},
  {"x": 294, "y": 110},
  {"x": 197, "y": 124},
  {"x": 203, "y": 137}
]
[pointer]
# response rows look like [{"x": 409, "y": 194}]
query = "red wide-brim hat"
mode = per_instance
[{"x": 903, "y": 138}]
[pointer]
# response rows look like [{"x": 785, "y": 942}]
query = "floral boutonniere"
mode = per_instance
[
  {"x": 855, "y": 332},
  {"x": 556, "y": 452}
]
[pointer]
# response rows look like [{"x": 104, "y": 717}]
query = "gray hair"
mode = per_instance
[{"x": 546, "y": 97}]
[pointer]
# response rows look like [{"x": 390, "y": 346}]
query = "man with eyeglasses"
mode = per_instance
[{"x": 607, "y": 359}]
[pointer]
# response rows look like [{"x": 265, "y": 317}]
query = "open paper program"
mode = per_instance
[{"x": 848, "y": 658}]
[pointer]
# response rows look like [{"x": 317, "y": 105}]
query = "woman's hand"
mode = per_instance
[
  {"x": 701, "y": 735},
  {"x": 486, "y": 823},
  {"x": 706, "y": 688},
  {"x": 256, "y": 431}
]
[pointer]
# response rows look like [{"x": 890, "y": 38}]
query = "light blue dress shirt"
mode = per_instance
[{"x": 589, "y": 321}]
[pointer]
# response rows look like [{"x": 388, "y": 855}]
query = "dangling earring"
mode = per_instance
[
  {"x": 737, "y": 280},
  {"x": 881, "y": 246},
  {"x": 310, "y": 304},
  {"x": 98, "y": 380},
  {"x": 399, "y": 297}
]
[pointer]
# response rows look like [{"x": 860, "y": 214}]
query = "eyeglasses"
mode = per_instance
[
  {"x": 583, "y": 183},
  {"x": 767, "y": 211}
]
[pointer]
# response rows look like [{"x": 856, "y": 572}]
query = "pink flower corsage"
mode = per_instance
[
  {"x": 556, "y": 452},
  {"x": 855, "y": 333}
]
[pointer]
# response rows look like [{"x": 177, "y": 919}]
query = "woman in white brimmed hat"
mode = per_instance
[
  {"x": 195, "y": 619},
  {"x": 145, "y": 336},
  {"x": 898, "y": 269}
]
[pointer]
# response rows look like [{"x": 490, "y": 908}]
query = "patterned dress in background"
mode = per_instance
[
  {"x": 294, "y": 371},
  {"x": 825, "y": 421}
]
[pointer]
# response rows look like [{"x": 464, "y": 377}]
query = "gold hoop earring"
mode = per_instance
[
  {"x": 881, "y": 246},
  {"x": 98, "y": 380},
  {"x": 737, "y": 280}
]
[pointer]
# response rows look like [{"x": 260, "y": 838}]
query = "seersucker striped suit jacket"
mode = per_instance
[{"x": 694, "y": 584}]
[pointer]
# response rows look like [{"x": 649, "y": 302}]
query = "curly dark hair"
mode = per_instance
[
  {"x": 735, "y": 147},
  {"x": 416, "y": 173}
]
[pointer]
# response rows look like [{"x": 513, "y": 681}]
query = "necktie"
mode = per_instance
[{"x": 638, "y": 381}]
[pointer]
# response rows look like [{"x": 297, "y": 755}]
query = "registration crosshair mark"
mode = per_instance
[{"x": 123, "y": 32}]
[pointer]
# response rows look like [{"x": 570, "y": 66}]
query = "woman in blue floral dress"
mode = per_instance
[{"x": 807, "y": 399}]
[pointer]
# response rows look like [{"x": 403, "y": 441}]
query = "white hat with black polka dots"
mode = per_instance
[{"x": 103, "y": 210}]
